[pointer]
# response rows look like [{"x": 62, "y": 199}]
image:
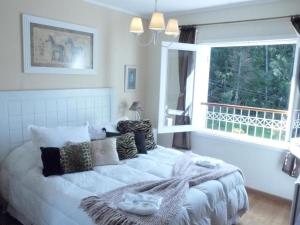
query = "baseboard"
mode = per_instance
[{"x": 268, "y": 195}]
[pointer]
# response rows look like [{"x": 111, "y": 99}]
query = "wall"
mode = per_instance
[
  {"x": 114, "y": 53},
  {"x": 261, "y": 164}
]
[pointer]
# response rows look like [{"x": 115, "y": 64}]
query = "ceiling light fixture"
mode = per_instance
[{"x": 157, "y": 25}]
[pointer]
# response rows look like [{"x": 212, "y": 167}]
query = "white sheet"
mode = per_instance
[{"x": 55, "y": 200}]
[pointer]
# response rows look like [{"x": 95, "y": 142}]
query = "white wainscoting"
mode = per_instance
[{"x": 50, "y": 108}]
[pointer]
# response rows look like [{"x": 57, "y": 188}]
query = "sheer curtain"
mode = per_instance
[{"x": 186, "y": 64}]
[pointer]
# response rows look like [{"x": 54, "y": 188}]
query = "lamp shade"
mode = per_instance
[
  {"x": 172, "y": 28},
  {"x": 136, "y": 25},
  {"x": 136, "y": 106},
  {"x": 157, "y": 21}
]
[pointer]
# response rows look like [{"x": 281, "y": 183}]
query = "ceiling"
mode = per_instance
[{"x": 145, "y": 7}]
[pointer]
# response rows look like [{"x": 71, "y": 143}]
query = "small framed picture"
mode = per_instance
[{"x": 130, "y": 78}]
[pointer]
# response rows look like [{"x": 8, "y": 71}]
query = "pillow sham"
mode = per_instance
[
  {"x": 105, "y": 152},
  {"x": 139, "y": 138},
  {"x": 127, "y": 126},
  {"x": 126, "y": 146},
  {"x": 101, "y": 132},
  {"x": 58, "y": 136},
  {"x": 76, "y": 157},
  {"x": 97, "y": 133},
  {"x": 51, "y": 161}
]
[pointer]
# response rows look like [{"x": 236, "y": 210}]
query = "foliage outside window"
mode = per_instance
[{"x": 249, "y": 88}]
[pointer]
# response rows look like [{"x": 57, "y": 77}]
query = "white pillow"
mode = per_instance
[
  {"x": 105, "y": 152},
  {"x": 97, "y": 132},
  {"x": 57, "y": 137}
]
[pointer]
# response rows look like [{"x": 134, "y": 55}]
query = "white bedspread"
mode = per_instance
[{"x": 55, "y": 200}]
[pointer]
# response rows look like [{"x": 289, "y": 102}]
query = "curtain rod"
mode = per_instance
[{"x": 237, "y": 21}]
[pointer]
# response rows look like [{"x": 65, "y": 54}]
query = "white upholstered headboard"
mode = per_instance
[{"x": 18, "y": 109}]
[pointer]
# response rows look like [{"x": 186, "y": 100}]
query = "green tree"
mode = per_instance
[{"x": 256, "y": 76}]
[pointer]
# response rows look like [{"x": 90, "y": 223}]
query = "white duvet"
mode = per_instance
[{"x": 55, "y": 200}]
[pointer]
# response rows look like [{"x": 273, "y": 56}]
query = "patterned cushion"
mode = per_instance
[
  {"x": 126, "y": 146},
  {"x": 76, "y": 157},
  {"x": 126, "y": 126}
]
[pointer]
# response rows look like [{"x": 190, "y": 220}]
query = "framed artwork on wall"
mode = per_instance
[
  {"x": 55, "y": 47},
  {"x": 130, "y": 78}
]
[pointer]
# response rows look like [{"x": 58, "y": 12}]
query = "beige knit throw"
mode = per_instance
[{"x": 103, "y": 209}]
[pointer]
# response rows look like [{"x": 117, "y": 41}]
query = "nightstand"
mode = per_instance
[
  {"x": 295, "y": 215},
  {"x": 3, "y": 205}
]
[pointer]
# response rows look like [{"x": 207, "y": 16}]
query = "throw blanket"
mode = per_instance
[{"x": 103, "y": 209}]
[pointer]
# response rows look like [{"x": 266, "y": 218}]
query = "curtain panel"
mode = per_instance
[
  {"x": 186, "y": 64},
  {"x": 296, "y": 23}
]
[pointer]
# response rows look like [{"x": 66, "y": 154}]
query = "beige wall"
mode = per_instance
[{"x": 117, "y": 47}]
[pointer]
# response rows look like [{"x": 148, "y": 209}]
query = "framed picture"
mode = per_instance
[
  {"x": 130, "y": 78},
  {"x": 51, "y": 46}
]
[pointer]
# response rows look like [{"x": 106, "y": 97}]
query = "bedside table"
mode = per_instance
[
  {"x": 3, "y": 205},
  {"x": 295, "y": 215}
]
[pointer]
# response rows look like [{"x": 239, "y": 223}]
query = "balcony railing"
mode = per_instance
[{"x": 251, "y": 121}]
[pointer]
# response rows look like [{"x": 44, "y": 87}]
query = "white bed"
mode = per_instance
[{"x": 55, "y": 200}]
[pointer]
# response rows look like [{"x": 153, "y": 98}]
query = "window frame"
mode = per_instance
[
  {"x": 195, "y": 121},
  {"x": 166, "y": 46}
]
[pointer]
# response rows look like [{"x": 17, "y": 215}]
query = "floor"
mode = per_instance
[{"x": 264, "y": 210}]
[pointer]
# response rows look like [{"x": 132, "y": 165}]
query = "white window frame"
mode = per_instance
[
  {"x": 166, "y": 46},
  {"x": 202, "y": 72}
]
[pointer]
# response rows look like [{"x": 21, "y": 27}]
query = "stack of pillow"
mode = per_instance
[{"x": 71, "y": 149}]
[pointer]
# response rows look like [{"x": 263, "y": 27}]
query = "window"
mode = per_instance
[{"x": 239, "y": 88}]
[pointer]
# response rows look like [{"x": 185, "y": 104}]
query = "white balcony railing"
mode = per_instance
[{"x": 251, "y": 121}]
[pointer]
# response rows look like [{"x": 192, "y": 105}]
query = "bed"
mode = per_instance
[{"x": 35, "y": 199}]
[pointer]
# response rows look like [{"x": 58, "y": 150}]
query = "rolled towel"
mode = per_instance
[{"x": 140, "y": 204}]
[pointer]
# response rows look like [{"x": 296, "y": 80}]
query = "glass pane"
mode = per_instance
[
  {"x": 180, "y": 87},
  {"x": 251, "y": 85}
]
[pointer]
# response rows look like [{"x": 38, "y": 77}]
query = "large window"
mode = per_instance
[
  {"x": 249, "y": 89},
  {"x": 239, "y": 88}
]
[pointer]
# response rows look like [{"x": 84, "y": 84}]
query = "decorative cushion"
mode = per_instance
[
  {"x": 58, "y": 136},
  {"x": 51, "y": 161},
  {"x": 127, "y": 126},
  {"x": 140, "y": 143},
  {"x": 105, "y": 152},
  {"x": 126, "y": 146},
  {"x": 76, "y": 157}
]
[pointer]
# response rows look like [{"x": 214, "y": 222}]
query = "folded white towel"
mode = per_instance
[
  {"x": 140, "y": 204},
  {"x": 207, "y": 164}
]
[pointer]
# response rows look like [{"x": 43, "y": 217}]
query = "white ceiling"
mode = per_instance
[{"x": 145, "y": 7}]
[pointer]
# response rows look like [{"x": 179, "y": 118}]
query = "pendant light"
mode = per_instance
[{"x": 157, "y": 25}]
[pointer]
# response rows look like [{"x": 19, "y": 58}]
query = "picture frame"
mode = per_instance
[
  {"x": 130, "y": 81},
  {"x": 55, "y": 47}
]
